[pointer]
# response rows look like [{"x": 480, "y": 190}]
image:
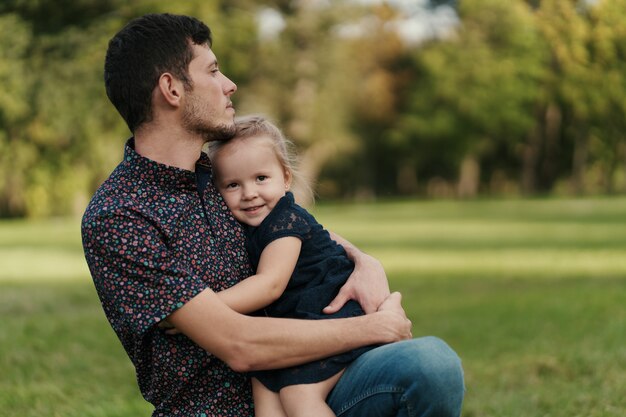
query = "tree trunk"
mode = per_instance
[
  {"x": 554, "y": 122},
  {"x": 579, "y": 163},
  {"x": 532, "y": 150},
  {"x": 469, "y": 178},
  {"x": 609, "y": 175},
  {"x": 530, "y": 156},
  {"x": 406, "y": 179}
]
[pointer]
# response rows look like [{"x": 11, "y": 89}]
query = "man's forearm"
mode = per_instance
[
  {"x": 279, "y": 343},
  {"x": 253, "y": 343}
]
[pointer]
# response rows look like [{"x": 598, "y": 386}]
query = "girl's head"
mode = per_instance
[{"x": 254, "y": 169}]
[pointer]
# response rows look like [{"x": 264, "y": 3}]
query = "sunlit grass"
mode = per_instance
[
  {"x": 530, "y": 293},
  {"x": 505, "y": 263},
  {"x": 60, "y": 357},
  {"x": 42, "y": 264},
  {"x": 41, "y": 251}
]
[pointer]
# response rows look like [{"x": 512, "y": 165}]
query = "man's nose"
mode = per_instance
[{"x": 229, "y": 86}]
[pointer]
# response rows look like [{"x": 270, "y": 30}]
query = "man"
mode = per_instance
[{"x": 160, "y": 243}]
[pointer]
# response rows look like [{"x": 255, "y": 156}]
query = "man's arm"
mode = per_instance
[
  {"x": 367, "y": 285},
  {"x": 276, "y": 266},
  {"x": 253, "y": 343}
]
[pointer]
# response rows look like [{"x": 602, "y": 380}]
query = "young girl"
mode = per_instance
[{"x": 299, "y": 268}]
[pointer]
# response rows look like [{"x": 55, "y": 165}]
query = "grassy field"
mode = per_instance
[{"x": 530, "y": 293}]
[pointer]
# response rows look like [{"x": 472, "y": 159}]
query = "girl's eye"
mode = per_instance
[
  {"x": 232, "y": 185},
  {"x": 261, "y": 178}
]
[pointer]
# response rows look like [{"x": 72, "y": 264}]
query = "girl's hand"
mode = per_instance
[{"x": 168, "y": 327}]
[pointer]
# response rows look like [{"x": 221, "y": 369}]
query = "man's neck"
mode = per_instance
[{"x": 173, "y": 147}]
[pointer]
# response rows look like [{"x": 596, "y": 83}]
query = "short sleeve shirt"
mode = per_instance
[{"x": 152, "y": 242}]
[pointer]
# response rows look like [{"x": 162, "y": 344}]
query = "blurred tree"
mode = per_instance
[
  {"x": 59, "y": 135},
  {"x": 381, "y": 168},
  {"x": 565, "y": 126},
  {"x": 587, "y": 87},
  {"x": 50, "y": 56},
  {"x": 380, "y": 73},
  {"x": 524, "y": 94},
  {"x": 16, "y": 81},
  {"x": 474, "y": 94},
  {"x": 608, "y": 90},
  {"x": 299, "y": 77},
  {"x": 53, "y": 16}
]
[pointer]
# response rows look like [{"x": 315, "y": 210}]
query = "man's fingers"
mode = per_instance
[
  {"x": 396, "y": 296},
  {"x": 339, "y": 301},
  {"x": 392, "y": 302}
]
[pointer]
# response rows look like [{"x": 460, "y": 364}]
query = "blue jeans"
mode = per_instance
[{"x": 413, "y": 378}]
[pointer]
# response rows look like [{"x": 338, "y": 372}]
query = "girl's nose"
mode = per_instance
[{"x": 249, "y": 192}]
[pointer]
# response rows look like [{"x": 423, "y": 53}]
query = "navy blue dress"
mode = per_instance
[{"x": 322, "y": 268}]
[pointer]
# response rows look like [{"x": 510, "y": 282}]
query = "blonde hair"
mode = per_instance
[{"x": 247, "y": 127}]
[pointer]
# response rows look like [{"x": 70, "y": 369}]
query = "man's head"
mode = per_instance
[{"x": 145, "y": 49}]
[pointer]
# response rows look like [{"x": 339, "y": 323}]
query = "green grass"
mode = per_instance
[{"x": 530, "y": 293}]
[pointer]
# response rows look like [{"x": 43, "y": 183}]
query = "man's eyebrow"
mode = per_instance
[{"x": 213, "y": 64}]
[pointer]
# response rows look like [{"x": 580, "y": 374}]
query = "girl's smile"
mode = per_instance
[{"x": 251, "y": 178}]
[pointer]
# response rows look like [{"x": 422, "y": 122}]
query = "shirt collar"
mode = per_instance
[{"x": 158, "y": 173}]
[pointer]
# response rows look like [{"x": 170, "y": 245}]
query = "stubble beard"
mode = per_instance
[{"x": 194, "y": 122}]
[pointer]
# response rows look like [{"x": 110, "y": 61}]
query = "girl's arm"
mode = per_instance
[{"x": 276, "y": 266}]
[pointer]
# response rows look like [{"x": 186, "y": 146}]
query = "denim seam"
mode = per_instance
[
  {"x": 405, "y": 401},
  {"x": 374, "y": 391}
]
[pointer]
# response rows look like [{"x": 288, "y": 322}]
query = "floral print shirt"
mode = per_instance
[{"x": 153, "y": 241}]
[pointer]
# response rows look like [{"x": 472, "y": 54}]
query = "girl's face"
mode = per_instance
[{"x": 250, "y": 178}]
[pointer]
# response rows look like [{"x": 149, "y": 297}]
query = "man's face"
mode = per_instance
[{"x": 208, "y": 110}]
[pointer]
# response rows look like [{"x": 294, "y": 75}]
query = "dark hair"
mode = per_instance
[{"x": 144, "y": 49}]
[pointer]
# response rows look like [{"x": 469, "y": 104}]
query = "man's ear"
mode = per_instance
[{"x": 171, "y": 89}]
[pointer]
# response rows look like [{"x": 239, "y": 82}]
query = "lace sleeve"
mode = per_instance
[{"x": 287, "y": 222}]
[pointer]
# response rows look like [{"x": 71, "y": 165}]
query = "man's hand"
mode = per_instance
[
  {"x": 400, "y": 326},
  {"x": 367, "y": 285}
]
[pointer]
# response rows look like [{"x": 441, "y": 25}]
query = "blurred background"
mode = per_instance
[
  {"x": 476, "y": 147},
  {"x": 384, "y": 98}
]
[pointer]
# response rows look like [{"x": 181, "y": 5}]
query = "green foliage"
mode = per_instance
[
  {"x": 13, "y": 109},
  {"x": 515, "y": 100},
  {"x": 607, "y": 51},
  {"x": 54, "y": 150},
  {"x": 519, "y": 97},
  {"x": 475, "y": 94}
]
